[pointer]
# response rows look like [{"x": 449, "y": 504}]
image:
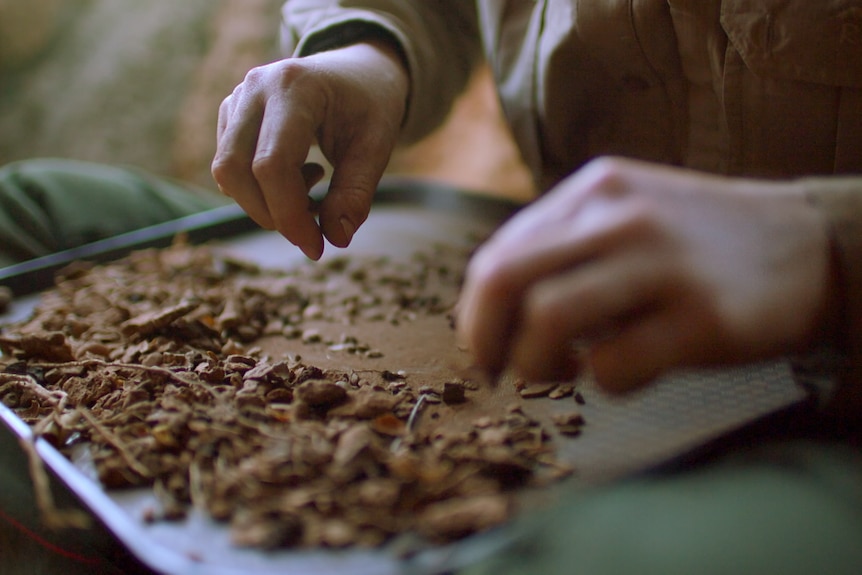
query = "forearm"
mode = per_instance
[{"x": 439, "y": 42}]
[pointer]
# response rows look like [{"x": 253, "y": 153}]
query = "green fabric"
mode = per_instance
[
  {"x": 49, "y": 205},
  {"x": 789, "y": 509}
]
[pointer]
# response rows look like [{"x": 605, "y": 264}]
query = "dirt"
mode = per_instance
[{"x": 328, "y": 405}]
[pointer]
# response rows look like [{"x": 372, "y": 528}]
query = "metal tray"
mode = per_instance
[{"x": 677, "y": 419}]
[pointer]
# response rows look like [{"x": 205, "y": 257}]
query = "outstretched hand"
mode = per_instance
[
  {"x": 350, "y": 101},
  {"x": 647, "y": 269}
]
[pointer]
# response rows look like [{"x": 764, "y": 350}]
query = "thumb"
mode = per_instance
[{"x": 350, "y": 194}]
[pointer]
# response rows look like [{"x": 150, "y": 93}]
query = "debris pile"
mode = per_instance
[{"x": 155, "y": 364}]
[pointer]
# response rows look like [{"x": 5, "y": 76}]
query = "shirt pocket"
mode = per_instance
[{"x": 803, "y": 40}]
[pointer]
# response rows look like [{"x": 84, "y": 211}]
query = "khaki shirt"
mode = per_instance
[{"x": 760, "y": 88}]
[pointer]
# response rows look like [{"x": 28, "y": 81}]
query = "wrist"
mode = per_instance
[
  {"x": 399, "y": 71},
  {"x": 359, "y": 35}
]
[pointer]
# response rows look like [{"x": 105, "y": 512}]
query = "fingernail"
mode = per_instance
[
  {"x": 312, "y": 254},
  {"x": 348, "y": 227}
]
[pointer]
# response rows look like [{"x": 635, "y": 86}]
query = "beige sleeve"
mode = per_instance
[
  {"x": 840, "y": 201},
  {"x": 439, "y": 39}
]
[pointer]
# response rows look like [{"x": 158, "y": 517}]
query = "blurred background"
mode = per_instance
[{"x": 139, "y": 82}]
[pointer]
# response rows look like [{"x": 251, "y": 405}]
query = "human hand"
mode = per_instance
[
  {"x": 351, "y": 101},
  {"x": 647, "y": 269}
]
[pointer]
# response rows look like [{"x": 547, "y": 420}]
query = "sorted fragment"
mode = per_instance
[
  {"x": 562, "y": 391},
  {"x": 48, "y": 346},
  {"x": 534, "y": 390},
  {"x": 320, "y": 393},
  {"x": 569, "y": 423},
  {"x": 152, "y": 321}
]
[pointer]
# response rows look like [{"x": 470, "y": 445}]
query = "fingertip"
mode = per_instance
[
  {"x": 348, "y": 201},
  {"x": 312, "y": 253},
  {"x": 614, "y": 374},
  {"x": 493, "y": 375},
  {"x": 462, "y": 322},
  {"x": 488, "y": 363},
  {"x": 489, "y": 352},
  {"x": 339, "y": 232},
  {"x": 312, "y": 247},
  {"x": 299, "y": 228},
  {"x": 545, "y": 366},
  {"x": 493, "y": 364}
]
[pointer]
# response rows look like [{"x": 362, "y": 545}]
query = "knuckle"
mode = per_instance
[
  {"x": 224, "y": 107},
  {"x": 290, "y": 71},
  {"x": 272, "y": 77},
  {"x": 265, "y": 166},
  {"x": 606, "y": 177},
  {"x": 226, "y": 169},
  {"x": 608, "y": 165},
  {"x": 606, "y": 174},
  {"x": 253, "y": 77}
]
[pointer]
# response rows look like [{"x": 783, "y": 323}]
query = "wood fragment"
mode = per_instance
[
  {"x": 156, "y": 363},
  {"x": 536, "y": 390}
]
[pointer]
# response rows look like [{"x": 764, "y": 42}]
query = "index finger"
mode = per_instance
[
  {"x": 240, "y": 117},
  {"x": 286, "y": 136}
]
